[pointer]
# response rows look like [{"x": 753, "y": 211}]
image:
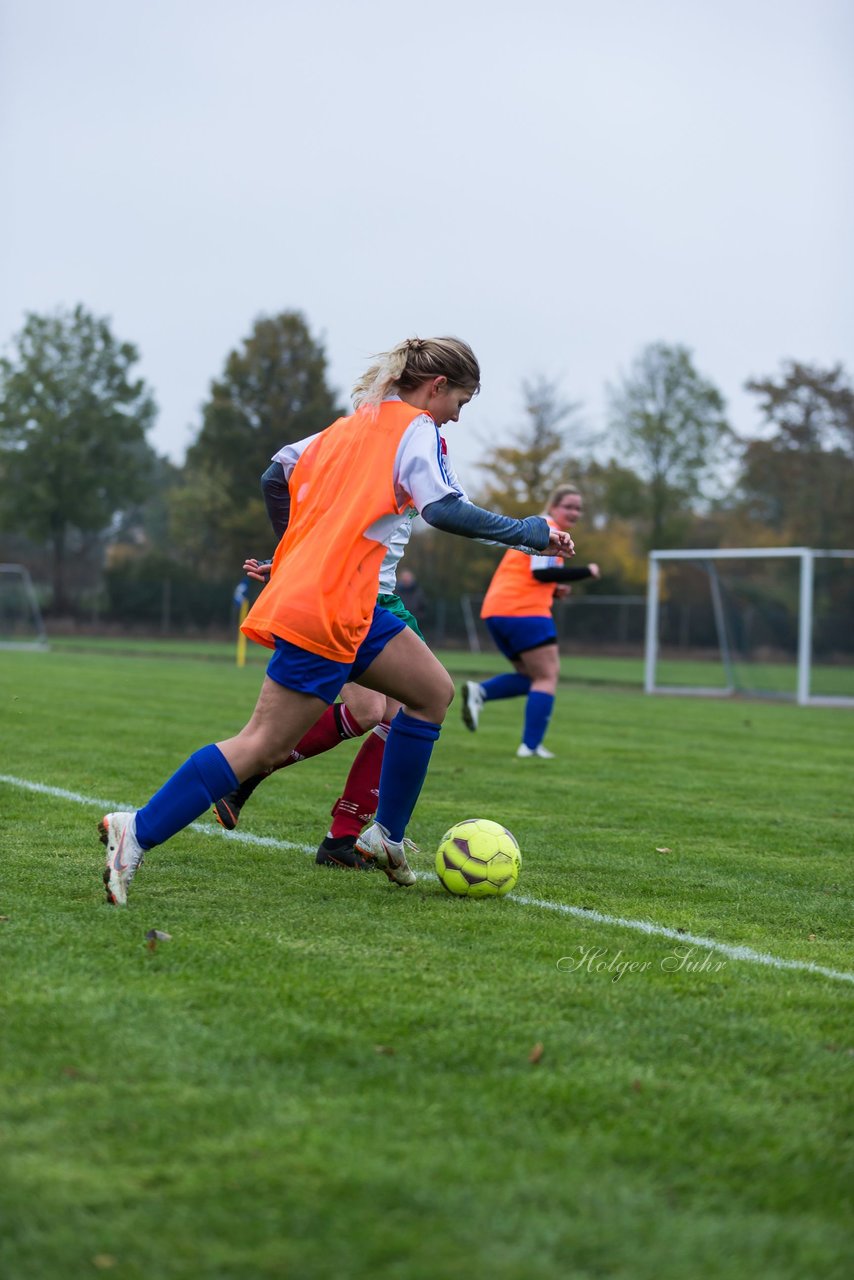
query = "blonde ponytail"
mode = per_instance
[{"x": 413, "y": 362}]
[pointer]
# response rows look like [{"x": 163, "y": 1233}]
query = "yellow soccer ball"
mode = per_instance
[{"x": 478, "y": 859}]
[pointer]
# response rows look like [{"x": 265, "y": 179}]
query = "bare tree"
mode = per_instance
[
  {"x": 671, "y": 428},
  {"x": 542, "y": 453}
]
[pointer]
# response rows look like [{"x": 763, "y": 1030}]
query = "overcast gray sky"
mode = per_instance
[{"x": 559, "y": 182}]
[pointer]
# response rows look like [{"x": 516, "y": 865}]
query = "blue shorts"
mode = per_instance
[
  {"x": 516, "y": 635},
  {"x": 296, "y": 668}
]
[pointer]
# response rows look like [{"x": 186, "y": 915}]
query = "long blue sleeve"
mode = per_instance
[{"x": 454, "y": 514}]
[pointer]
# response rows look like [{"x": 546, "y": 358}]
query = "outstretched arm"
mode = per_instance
[
  {"x": 455, "y": 514},
  {"x": 423, "y": 476}
]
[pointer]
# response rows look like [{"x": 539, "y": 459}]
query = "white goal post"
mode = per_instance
[
  {"x": 706, "y": 559},
  {"x": 21, "y": 625}
]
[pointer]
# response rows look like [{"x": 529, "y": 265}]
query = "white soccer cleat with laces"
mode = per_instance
[
  {"x": 528, "y": 753},
  {"x": 124, "y": 854},
  {"x": 389, "y": 855},
  {"x": 473, "y": 700}
]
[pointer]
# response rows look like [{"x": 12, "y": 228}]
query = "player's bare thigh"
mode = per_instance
[
  {"x": 281, "y": 717},
  {"x": 409, "y": 672},
  {"x": 541, "y": 666}
]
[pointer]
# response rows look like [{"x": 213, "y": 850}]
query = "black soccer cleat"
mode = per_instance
[
  {"x": 227, "y": 810},
  {"x": 340, "y": 851}
]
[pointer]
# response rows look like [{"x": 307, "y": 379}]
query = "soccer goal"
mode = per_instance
[
  {"x": 21, "y": 625},
  {"x": 770, "y": 621}
]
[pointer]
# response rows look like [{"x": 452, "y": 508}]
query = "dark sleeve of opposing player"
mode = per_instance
[
  {"x": 564, "y": 574},
  {"x": 277, "y": 498}
]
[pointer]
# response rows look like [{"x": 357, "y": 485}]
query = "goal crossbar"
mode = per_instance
[{"x": 807, "y": 557}]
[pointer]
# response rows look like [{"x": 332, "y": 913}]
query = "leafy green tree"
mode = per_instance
[
  {"x": 272, "y": 391},
  {"x": 798, "y": 482},
  {"x": 670, "y": 425},
  {"x": 521, "y": 475},
  {"x": 72, "y": 432},
  {"x": 611, "y": 491}
]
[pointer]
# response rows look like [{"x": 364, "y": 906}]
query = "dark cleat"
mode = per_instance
[
  {"x": 227, "y": 810},
  {"x": 340, "y": 851}
]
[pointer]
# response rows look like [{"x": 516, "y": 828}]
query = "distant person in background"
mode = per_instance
[
  {"x": 517, "y": 610},
  {"x": 409, "y": 590}
]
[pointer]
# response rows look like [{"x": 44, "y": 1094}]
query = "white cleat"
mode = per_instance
[
  {"x": 473, "y": 700},
  {"x": 124, "y": 854},
  {"x": 527, "y": 753},
  {"x": 389, "y": 855}
]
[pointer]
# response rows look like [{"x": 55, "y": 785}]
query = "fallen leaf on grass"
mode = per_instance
[
  {"x": 637, "y": 1085},
  {"x": 103, "y": 1261},
  {"x": 154, "y": 936},
  {"x": 383, "y": 1048},
  {"x": 811, "y": 937},
  {"x": 535, "y": 1054},
  {"x": 663, "y": 849}
]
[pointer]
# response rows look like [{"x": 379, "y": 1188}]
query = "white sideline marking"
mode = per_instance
[
  {"x": 691, "y": 939},
  {"x": 580, "y": 913},
  {"x": 113, "y": 806}
]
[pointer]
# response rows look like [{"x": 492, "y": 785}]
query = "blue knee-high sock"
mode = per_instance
[
  {"x": 407, "y": 755},
  {"x": 510, "y": 685},
  {"x": 538, "y": 710},
  {"x": 201, "y": 780}
]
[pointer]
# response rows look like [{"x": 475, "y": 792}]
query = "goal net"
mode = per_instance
[
  {"x": 21, "y": 625},
  {"x": 771, "y": 621}
]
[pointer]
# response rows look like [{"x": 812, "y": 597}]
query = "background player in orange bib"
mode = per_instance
[{"x": 517, "y": 610}]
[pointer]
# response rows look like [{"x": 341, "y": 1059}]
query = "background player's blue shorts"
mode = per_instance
[
  {"x": 296, "y": 668},
  {"x": 515, "y": 635}
]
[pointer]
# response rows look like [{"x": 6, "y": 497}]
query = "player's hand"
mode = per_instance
[
  {"x": 257, "y": 569},
  {"x": 560, "y": 544},
  {"x": 562, "y": 590},
  {"x": 594, "y": 571}
]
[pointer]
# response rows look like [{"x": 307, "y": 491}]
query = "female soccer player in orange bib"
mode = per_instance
[
  {"x": 319, "y": 614},
  {"x": 517, "y": 610}
]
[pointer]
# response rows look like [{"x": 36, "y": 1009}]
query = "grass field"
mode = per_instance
[{"x": 638, "y": 1065}]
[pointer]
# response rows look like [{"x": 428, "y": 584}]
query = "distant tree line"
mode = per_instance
[{"x": 111, "y": 530}]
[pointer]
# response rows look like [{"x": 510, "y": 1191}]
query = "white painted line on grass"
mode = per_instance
[
  {"x": 563, "y": 908},
  {"x": 689, "y": 939},
  {"x": 113, "y": 806}
]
